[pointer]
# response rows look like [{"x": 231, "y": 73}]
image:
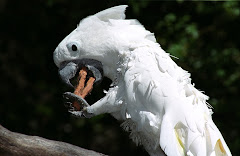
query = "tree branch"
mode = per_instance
[{"x": 15, "y": 144}]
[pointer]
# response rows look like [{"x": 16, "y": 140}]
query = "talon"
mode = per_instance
[
  {"x": 76, "y": 113},
  {"x": 69, "y": 106},
  {"x": 82, "y": 114}
]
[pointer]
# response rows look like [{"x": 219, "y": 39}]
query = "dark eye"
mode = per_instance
[{"x": 74, "y": 47}]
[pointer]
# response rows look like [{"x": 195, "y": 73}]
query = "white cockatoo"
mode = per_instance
[{"x": 150, "y": 93}]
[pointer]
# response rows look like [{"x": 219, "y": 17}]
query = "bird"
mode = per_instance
[{"x": 150, "y": 94}]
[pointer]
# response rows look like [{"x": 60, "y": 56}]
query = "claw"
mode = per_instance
[
  {"x": 76, "y": 113},
  {"x": 82, "y": 114},
  {"x": 69, "y": 106}
]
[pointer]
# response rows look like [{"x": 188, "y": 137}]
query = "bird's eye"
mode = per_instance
[{"x": 74, "y": 47}]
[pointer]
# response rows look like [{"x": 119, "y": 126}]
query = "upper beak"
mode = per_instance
[{"x": 68, "y": 69}]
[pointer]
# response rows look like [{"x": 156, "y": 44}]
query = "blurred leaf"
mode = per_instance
[{"x": 191, "y": 29}]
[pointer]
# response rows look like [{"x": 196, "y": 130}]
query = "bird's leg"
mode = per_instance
[{"x": 76, "y": 100}]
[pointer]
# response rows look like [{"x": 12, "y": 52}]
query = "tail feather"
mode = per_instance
[
  {"x": 208, "y": 143},
  {"x": 219, "y": 146}
]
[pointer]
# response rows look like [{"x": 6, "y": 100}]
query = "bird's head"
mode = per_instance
[
  {"x": 98, "y": 41},
  {"x": 92, "y": 40}
]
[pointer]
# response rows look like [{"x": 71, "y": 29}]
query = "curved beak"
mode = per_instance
[{"x": 68, "y": 69}]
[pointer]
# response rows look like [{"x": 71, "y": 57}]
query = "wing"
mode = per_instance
[
  {"x": 179, "y": 111},
  {"x": 187, "y": 124}
]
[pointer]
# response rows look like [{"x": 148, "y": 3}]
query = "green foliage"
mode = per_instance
[{"x": 203, "y": 35}]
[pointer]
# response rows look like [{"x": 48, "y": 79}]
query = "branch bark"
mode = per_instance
[{"x": 16, "y": 144}]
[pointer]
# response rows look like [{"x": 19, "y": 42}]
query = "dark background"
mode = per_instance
[{"x": 203, "y": 35}]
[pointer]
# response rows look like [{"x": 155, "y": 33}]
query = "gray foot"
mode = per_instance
[{"x": 70, "y": 98}]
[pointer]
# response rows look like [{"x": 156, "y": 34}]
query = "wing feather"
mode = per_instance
[{"x": 168, "y": 138}]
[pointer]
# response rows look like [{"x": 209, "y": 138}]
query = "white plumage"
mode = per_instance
[{"x": 151, "y": 94}]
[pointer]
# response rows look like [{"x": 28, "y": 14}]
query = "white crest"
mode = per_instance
[{"x": 117, "y": 12}]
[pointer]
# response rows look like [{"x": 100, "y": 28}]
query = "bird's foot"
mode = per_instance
[{"x": 72, "y": 99}]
